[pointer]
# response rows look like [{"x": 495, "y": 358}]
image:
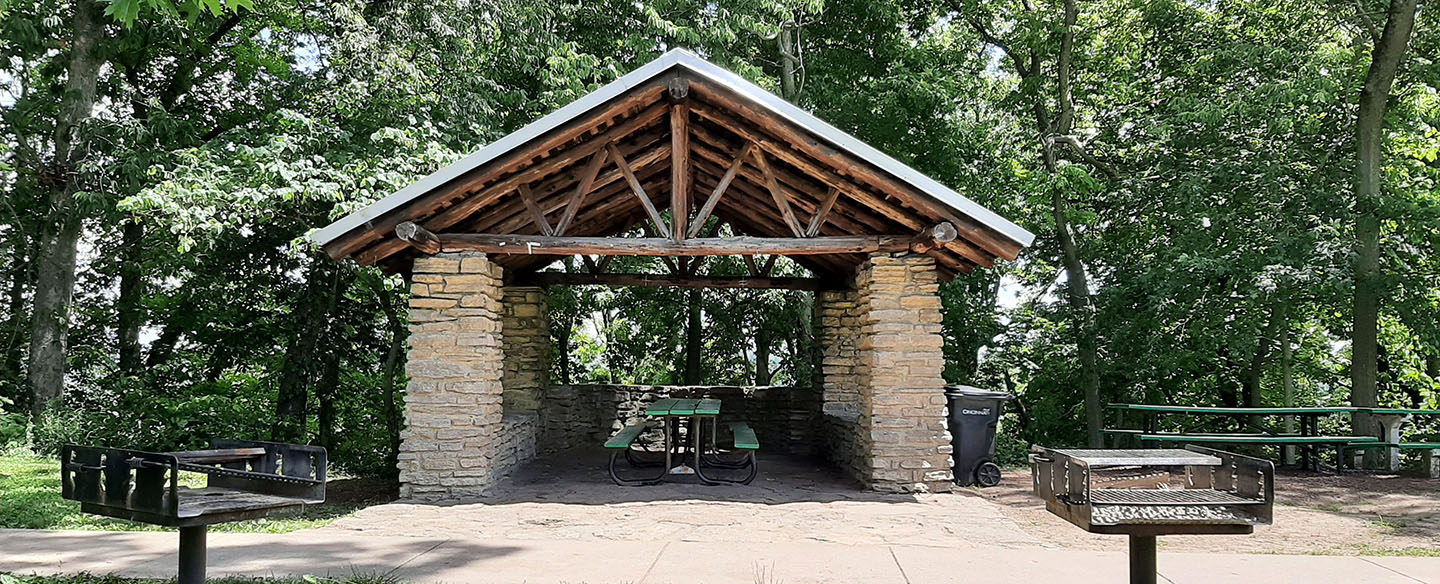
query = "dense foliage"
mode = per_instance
[{"x": 1187, "y": 166}]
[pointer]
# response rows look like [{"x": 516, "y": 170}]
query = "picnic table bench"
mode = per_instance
[
  {"x": 670, "y": 416},
  {"x": 1308, "y": 438}
]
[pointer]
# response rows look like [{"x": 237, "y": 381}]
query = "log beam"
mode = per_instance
[
  {"x": 679, "y": 170},
  {"x": 664, "y": 246},
  {"x": 677, "y": 281}
]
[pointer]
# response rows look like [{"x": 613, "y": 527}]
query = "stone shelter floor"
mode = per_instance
[
  {"x": 793, "y": 499},
  {"x": 560, "y": 519}
]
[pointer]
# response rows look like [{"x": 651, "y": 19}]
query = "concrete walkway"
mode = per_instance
[{"x": 465, "y": 560}]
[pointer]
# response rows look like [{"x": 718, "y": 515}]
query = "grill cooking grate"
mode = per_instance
[{"x": 1160, "y": 497}]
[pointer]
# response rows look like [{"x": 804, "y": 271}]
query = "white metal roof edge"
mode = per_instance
[
  {"x": 740, "y": 85},
  {"x": 845, "y": 141},
  {"x": 492, "y": 151}
]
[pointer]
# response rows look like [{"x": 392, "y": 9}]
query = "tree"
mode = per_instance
[{"x": 1385, "y": 58}]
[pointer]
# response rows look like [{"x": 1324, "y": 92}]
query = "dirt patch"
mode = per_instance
[{"x": 1314, "y": 514}]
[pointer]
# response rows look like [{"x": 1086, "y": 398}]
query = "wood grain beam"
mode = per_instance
[
  {"x": 979, "y": 235},
  {"x": 677, "y": 281},
  {"x": 516, "y": 244},
  {"x": 587, "y": 182},
  {"x": 679, "y": 170},
  {"x": 639, "y": 190},
  {"x": 520, "y": 164}
]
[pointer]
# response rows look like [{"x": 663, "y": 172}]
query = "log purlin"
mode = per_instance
[
  {"x": 496, "y": 178},
  {"x": 785, "y": 141}
]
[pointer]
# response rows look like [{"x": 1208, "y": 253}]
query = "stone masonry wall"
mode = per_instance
[
  {"x": 846, "y": 443},
  {"x": 526, "y": 342},
  {"x": 453, "y": 415},
  {"x": 785, "y": 418},
  {"x": 901, "y": 366}
]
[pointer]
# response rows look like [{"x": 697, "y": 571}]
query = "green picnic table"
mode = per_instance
[
  {"x": 671, "y": 416},
  {"x": 1308, "y": 439}
]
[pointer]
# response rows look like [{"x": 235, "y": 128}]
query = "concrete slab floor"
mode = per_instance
[{"x": 467, "y": 560}]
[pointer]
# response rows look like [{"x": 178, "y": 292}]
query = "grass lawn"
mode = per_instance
[{"x": 30, "y": 499}]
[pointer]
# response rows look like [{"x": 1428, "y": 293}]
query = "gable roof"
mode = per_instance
[{"x": 733, "y": 98}]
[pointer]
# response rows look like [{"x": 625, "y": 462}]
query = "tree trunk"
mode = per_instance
[
  {"x": 1078, "y": 283},
  {"x": 762, "y": 356},
  {"x": 20, "y": 280},
  {"x": 788, "y": 61},
  {"x": 1255, "y": 372},
  {"x": 55, "y": 274},
  {"x": 292, "y": 395},
  {"x": 1287, "y": 374},
  {"x": 325, "y": 393},
  {"x": 562, "y": 342},
  {"x": 1369, "y": 174},
  {"x": 693, "y": 343},
  {"x": 129, "y": 306},
  {"x": 391, "y": 373}
]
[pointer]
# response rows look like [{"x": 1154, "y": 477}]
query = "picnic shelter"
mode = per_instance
[{"x": 678, "y": 159}]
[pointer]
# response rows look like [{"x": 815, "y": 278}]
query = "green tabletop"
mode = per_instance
[
  {"x": 708, "y": 407},
  {"x": 660, "y": 407},
  {"x": 1400, "y": 411},
  {"x": 1221, "y": 439},
  {"x": 684, "y": 407},
  {"x": 1235, "y": 411}
]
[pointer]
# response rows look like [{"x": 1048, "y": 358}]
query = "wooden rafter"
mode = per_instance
[
  {"x": 967, "y": 250},
  {"x": 528, "y": 197},
  {"x": 846, "y": 164},
  {"x": 709, "y": 207},
  {"x": 639, "y": 190},
  {"x": 385, "y": 248},
  {"x": 769, "y": 265},
  {"x": 749, "y": 263},
  {"x": 515, "y": 164},
  {"x": 587, "y": 182},
  {"x": 818, "y": 219},
  {"x": 781, "y": 201},
  {"x": 679, "y": 170}
]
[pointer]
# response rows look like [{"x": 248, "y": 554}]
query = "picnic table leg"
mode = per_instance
[
  {"x": 666, "y": 421},
  {"x": 1390, "y": 426}
]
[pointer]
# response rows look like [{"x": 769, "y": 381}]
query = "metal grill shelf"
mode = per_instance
[{"x": 1160, "y": 497}]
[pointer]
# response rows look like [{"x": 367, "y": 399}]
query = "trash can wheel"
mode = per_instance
[{"x": 987, "y": 474}]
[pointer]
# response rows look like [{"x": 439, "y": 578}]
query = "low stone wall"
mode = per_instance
[
  {"x": 785, "y": 419},
  {"x": 518, "y": 442},
  {"x": 847, "y": 444}
]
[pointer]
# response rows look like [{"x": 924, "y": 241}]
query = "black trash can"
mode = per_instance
[{"x": 974, "y": 414}]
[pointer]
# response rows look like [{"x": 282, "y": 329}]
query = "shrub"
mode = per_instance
[
  {"x": 58, "y": 426},
  {"x": 12, "y": 425}
]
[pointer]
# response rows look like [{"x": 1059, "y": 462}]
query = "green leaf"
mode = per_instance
[{"x": 125, "y": 11}]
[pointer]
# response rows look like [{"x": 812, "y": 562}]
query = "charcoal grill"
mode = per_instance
[
  {"x": 244, "y": 480},
  {"x": 1148, "y": 493}
]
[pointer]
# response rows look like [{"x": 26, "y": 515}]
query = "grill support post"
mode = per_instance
[
  {"x": 192, "y": 555},
  {"x": 1142, "y": 559}
]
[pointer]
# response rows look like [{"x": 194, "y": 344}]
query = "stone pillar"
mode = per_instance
[
  {"x": 527, "y": 348},
  {"x": 846, "y": 443},
  {"x": 453, "y": 421},
  {"x": 900, "y": 369},
  {"x": 839, "y": 334}
]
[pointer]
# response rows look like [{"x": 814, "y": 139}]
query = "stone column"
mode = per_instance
[
  {"x": 527, "y": 348},
  {"x": 453, "y": 403},
  {"x": 846, "y": 441},
  {"x": 901, "y": 367}
]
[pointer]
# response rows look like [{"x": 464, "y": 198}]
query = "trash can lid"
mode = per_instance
[{"x": 969, "y": 391}]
